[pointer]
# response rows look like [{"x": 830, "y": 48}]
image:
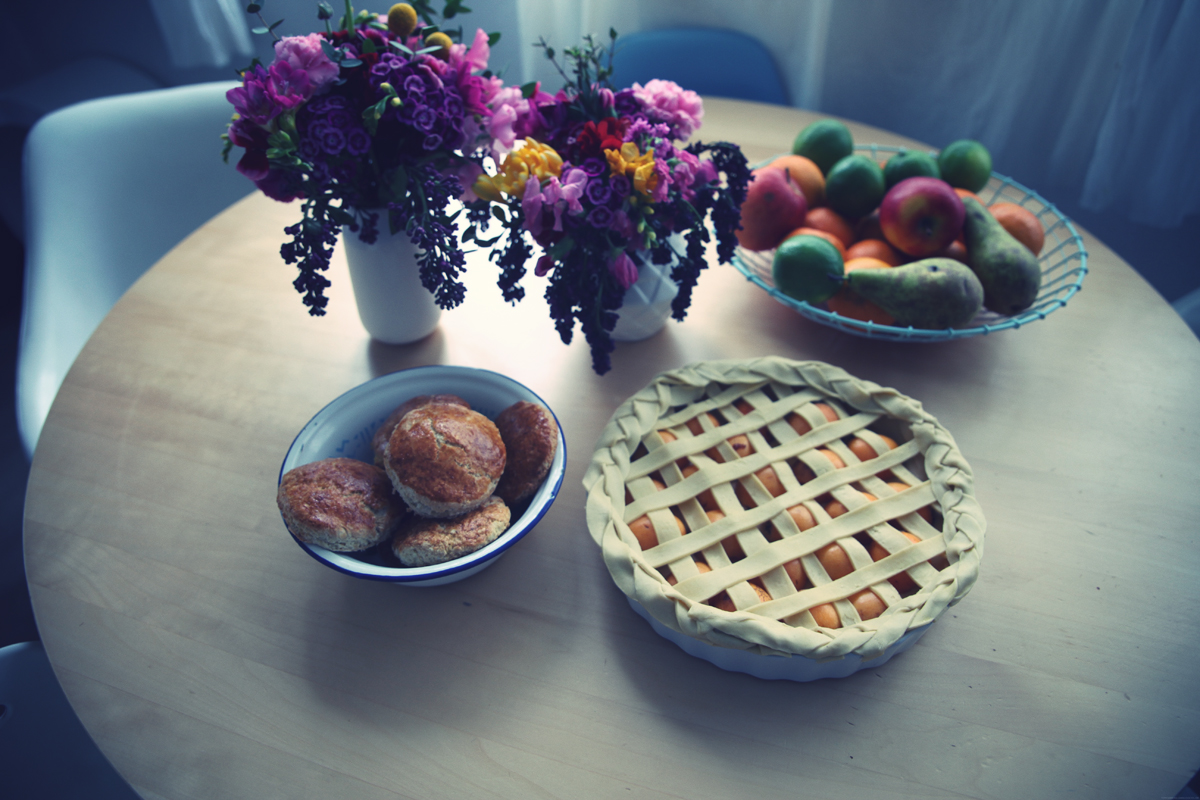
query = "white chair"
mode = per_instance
[
  {"x": 44, "y": 749},
  {"x": 110, "y": 186}
]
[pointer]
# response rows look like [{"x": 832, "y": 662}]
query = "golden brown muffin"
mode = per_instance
[
  {"x": 445, "y": 460},
  {"x": 340, "y": 504},
  {"x": 422, "y": 542},
  {"x": 530, "y": 435},
  {"x": 380, "y": 439}
]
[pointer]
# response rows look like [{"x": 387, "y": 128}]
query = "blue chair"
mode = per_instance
[
  {"x": 709, "y": 61},
  {"x": 110, "y": 186},
  {"x": 44, "y": 749}
]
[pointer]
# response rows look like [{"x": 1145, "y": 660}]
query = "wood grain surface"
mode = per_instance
[{"x": 211, "y": 658}]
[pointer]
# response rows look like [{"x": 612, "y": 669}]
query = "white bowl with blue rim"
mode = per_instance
[{"x": 343, "y": 429}]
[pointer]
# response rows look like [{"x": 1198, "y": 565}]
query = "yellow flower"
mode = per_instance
[
  {"x": 402, "y": 19},
  {"x": 639, "y": 167},
  {"x": 534, "y": 159}
]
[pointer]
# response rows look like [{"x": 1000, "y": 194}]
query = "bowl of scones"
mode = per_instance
[{"x": 422, "y": 477}]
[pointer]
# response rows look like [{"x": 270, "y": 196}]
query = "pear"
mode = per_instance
[
  {"x": 931, "y": 293},
  {"x": 1010, "y": 274}
]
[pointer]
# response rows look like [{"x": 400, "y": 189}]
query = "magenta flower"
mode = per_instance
[
  {"x": 624, "y": 270},
  {"x": 252, "y": 100},
  {"x": 288, "y": 86},
  {"x": 305, "y": 53},
  {"x": 666, "y": 101}
]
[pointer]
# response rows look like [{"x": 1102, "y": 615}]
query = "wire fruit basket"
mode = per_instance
[{"x": 1063, "y": 261}]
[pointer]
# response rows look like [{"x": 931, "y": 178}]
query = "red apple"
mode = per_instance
[
  {"x": 920, "y": 216},
  {"x": 774, "y": 207}
]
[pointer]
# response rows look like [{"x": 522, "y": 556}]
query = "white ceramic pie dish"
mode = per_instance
[
  {"x": 343, "y": 429},
  {"x": 774, "y": 630}
]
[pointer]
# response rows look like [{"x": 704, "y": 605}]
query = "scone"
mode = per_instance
[
  {"x": 783, "y": 507},
  {"x": 445, "y": 460},
  {"x": 422, "y": 542},
  {"x": 341, "y": 504},
  {"x": 380, "y": 439},
  {"x": 530, "y": 435}
]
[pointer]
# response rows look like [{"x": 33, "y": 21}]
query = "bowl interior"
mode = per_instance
[{"x": 343, "y": 429}]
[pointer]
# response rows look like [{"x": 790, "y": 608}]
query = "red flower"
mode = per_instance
[{"x": 594, "y": 138}]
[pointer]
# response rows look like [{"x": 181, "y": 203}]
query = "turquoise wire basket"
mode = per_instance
[{"x": 1063, "y": 261}]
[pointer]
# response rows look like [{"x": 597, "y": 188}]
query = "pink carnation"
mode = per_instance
[
  {"x": 666, "y": 101},
  {"x": 304, "y": 52}
]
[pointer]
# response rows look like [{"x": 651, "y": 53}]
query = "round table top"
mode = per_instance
[{"x": 211, "y": 658}]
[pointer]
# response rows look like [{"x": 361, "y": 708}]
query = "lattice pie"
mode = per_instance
[{"x": 783, "y": 507}]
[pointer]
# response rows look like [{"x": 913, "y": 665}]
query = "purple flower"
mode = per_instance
[
  {"x": 252, "y": 100},
  {"x": 666, "y": 101},
  {"x": 594, "y": 166},
  {"x": 625, "y": 103},
  {"x": 288, "y": 87},
  {"x": 305, "y": 53},
  {"x": 277, "y": 185},
  {"x": 332, "y": 140},
  {"x": 598, "y": 191},
  {"x": 624, "y": 270},
  {"x": 600, "y": 217},
  {"x": 620, "y": 186},
  {"x": 424, "y": 118},
  {"x": 432, "y": 142},
  {"x": 358, "y": 142},
  {"x": 621, "y": 225},
  {"x": 543, "y": 266},
  {"x": 413, "y": 85}
]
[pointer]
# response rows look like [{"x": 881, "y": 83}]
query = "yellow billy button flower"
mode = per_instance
[
  {"x": 441, "y": 40},
  {"x": 533, "y": 159},
  {"x": 402, "y": 19},
  {"x": 638, "y": 167}
]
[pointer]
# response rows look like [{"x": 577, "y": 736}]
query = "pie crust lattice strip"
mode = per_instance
[{"x": 730, "y": 502}]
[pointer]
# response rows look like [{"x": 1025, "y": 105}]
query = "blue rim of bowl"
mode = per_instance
[
  {"x": 476, "y": 559},
  {"x": 1060, "y": 279}
]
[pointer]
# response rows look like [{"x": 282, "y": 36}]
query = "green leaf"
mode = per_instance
[
  {"x": 561, "y": 248},
  {"x": 368, "y": 46},
  {"x": 401, "y": 48},
  {"x": 260, "y": 29},
  {"x": 350, "y": 63},
  {"x": 253, "y": 8},
  {"x": 488, "y": 242},
  {"x": 426, "y": 50},
  {"x": 399, "y": 185},
  {"x": 275, "y": 25},
  {"x": 493, "y": 37},
  {"x": 528, "y": 89},
  {"x": 331, "y": 52}
]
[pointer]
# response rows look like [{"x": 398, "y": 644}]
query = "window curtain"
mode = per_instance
[
  {"x": 205, "y": 33},
  {"x": 1091, "y": 103}
]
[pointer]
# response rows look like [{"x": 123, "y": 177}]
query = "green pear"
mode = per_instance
[
  {"x": 1010, "y": 274},
  {"x": 932, "y": 293}
]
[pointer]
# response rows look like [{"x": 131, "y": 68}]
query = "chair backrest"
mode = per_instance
[
  {"x": 44, "y": 749},
  {"x": 110, "y": 186},
  {"x": 709, "y": 61}
]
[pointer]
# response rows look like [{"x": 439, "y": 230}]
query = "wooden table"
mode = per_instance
[{"x": 211, "y": 658}]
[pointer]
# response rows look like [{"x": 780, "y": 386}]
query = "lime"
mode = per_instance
[
  {"x": 824, "y": 142},
  {"x": 855, "y": 186},
  {"x": 807, "y": 268},
  {"x": 909, "y": 164},
  {"x": 965, "y": 164}
]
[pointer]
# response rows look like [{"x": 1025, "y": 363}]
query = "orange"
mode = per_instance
[
  {"x": 826, "y": 219},
  {"x": 800, "y": 424},
  {"x": 902, "y": 581},
  {"x": 867, "y": 604},
  {"x": 850, "y": 304},
  {"x": 865, "y": 452},
  {"x": 826, "y": 615},
  {"x": 806, "y": 174},
  {"x": 835, "y": 509},
  {"x": 835, "y": 561},
  {"x": 925, "y": 512},
  {"x": 643, "y": 530},
  {"x": 964, "y": 194},
  {"x": 875, "y": 248},
  {"x": 1022, "y": 223},
  {"x": 956, "y": 250},
  {"x": 826, "y": 235}
]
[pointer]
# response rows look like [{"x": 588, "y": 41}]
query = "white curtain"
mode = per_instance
[
  {"x": 204, "y": 33},
  {"x": 1091, "y": 103}
]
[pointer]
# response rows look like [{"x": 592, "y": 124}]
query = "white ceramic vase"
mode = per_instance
[
  {"x": 393, "y": 305},
  {"x": 647, "y": 305}
]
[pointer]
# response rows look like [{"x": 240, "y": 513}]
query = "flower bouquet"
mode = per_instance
[
  {"x": 379, "y": 113},
  {"x": 600, "y": 184}
]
